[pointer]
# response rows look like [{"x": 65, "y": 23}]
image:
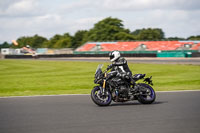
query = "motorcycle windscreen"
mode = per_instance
[{"x": 99, "y": 67}]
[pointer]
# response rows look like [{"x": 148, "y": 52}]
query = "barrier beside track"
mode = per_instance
[{"x": 77, "y": 55}]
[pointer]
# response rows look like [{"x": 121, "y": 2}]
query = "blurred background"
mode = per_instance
[
  {"x": 87, "y": 28},
  {"x": 166, "y": 28}
]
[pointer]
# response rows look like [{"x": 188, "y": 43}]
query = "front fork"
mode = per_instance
[
  {"x": 102, "y": 89},
  {"x": 103, "y": 92}
]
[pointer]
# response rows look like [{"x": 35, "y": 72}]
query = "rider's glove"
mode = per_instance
[{"x": 109, "y": 67}]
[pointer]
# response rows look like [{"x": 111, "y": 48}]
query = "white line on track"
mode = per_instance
[
  {"x": 89, "y": 94},
  {"x": 177, "y": 91},
  {"x": 46, "y": 95}
]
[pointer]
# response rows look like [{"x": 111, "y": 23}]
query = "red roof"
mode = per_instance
[{"x": 131, "y": 46}]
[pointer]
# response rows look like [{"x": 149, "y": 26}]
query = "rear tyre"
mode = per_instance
[
  {"x": 99, "y": 99},
  {"x": 147, "y": 94}
]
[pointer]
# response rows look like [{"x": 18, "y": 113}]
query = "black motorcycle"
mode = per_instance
[{"x": 118, "y": 89}]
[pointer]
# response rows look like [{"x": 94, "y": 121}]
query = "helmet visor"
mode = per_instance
[{"x": 111, "y": 57}]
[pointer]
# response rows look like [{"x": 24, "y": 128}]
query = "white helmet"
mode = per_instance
[{"x": 114, "y": 55}]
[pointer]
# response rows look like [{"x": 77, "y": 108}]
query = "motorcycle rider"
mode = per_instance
[{"x": 119, "y": 67}]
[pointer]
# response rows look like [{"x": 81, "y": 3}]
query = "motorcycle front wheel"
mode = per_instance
[
  {"x": 147, "y": 95},
  {"x": 99, "y": 99}
]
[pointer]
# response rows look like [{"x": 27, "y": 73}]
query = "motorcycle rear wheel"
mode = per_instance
[
  {"x": 99, "y": 99},
  {"x": 147, "y": 97}
]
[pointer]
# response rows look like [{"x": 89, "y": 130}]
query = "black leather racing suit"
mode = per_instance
[{"x": 120, "y": 68}]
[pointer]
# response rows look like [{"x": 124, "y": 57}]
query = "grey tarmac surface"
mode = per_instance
[
  {"x": 193, "y": 61},
  {"x": 173, "y": 112}
]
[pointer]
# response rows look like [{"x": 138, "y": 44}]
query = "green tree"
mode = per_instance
[
  {"x": 5, "y": 45},
  {"x": 124, "y": 36},
  {"x": 63, "y": 43},
  {"x": 22, "y": 41},
  {"x": 35, "y": 41},
  {"x": 59, "y": 41},
  {"x": 149, "y": 34},
  {"x": 108, "y": 29},
  {"x": 194, "y": 37},
  {"x": 80, "y": 38},
  {"x": 52, "y": 41},
  {"x": 174, "y": 38},
  {"x": 136, "y": 32}
]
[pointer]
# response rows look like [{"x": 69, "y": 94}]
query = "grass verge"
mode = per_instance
[{"x": 36, "y": 77}]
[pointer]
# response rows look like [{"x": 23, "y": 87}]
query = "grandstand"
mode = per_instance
[
  {"x": 140, "y": 46},
  {"x": 128, "y": 49}
]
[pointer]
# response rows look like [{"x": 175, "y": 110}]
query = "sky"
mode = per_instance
[{"x": 18, "y": 18}]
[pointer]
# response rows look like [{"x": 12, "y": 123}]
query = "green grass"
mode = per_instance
[{"x": 36, "y": 77}]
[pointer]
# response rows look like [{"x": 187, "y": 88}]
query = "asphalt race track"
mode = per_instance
[{"x": 173, "y": 112}]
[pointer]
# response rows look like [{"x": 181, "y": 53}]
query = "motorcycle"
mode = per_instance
[{"x": 118, "y": 89}]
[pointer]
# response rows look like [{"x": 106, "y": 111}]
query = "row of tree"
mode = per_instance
[{"x": 108, "y": 29}]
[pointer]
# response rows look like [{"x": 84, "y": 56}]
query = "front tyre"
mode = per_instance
[
  {"x": 99, "y": 99},
  {"x": 147, "y": 94}
]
